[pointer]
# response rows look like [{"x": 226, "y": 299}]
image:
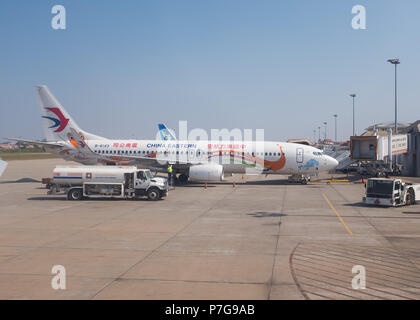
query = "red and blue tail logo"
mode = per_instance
[{"x": 59, "y": 123}]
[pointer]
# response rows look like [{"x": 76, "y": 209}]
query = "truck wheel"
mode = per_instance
[
  {"x": 411, "y": 197},
  {"x": 75, "y": 194},
  {"x": 153, "y": 194}
]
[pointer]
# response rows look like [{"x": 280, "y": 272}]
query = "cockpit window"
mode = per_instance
[{"x": 318, "y": 153}]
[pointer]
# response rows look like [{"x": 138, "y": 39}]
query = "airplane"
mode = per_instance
[{"x": 192, "y": 160}]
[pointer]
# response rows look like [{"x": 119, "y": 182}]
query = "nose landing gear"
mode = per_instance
[
  {"x": 305, "y": 180},
  {"x": 299, "y": 178}
]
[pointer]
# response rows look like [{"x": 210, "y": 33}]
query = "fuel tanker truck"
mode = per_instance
[{"x": 80, "y": 182}]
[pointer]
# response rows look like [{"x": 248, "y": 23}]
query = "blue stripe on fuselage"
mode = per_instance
[{"x": 67, "y": 177}]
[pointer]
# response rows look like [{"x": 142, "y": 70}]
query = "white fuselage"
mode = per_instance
[
  {"x": 242, "y": 157},
  {"x": 195, "y": 159}
]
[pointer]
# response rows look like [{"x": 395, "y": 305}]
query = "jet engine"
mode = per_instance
[{"x": 206, "y": 172}]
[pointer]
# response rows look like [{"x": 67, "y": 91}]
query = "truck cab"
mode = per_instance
[{"x": 146, "y": 184}]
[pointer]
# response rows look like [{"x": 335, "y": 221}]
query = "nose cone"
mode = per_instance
[{"x": 331, "y": 163}]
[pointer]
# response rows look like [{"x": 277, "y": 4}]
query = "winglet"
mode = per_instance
[{"x": 3, "y": 165}]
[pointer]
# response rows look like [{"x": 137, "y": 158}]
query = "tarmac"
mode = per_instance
[{"x": 262, "y": 239}]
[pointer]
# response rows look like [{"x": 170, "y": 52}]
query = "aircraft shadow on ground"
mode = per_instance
[
  {"x": 357, "y": 204},
  {"x": 271, "y": 183},
  {"x": 23, "y": 180},
  {"x": 263, "y": 214},
  {"x": 63, "y": 197},
  {"x": 411, "y": 212},
  {"x": 362, "y": 204},
  {"x": 240, "y": 183},
  {"x": 194, "y": 185}
]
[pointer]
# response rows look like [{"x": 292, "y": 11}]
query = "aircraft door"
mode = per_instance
[
  {"x": 192, "y": 155},
  {"x": 299, "y": 155},
  {"x": 198, "y": 155}
]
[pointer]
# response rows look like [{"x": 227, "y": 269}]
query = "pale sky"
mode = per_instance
[{"x": 121, "y": 67}]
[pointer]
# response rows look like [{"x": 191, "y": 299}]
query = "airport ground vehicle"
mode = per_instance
[
  {"x": 391, "y": 192},
  {"x": 379, "y": 169},
  {"x": 79, "y": 182}
]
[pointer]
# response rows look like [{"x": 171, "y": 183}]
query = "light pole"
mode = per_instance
[
  {"x": 314, "y": 136},
  {"x": 319, "y": 134},
  {"x": 335, "y": 127},
  {"x": 325, "y": 131},
  {"x": 353, "y": 95},
  {"x": 395, "y": 62}
]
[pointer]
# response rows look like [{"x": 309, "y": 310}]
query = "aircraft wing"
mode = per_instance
[
  {"x": 38, "y": 143},
  {"x": 151, "y": 161},
  {"x": 77, "y": 140}
]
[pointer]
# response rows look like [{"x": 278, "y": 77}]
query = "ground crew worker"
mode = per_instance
[{"x": 170, "y": 176}]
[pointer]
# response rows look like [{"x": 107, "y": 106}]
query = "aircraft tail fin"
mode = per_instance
[
  {"x": 56, "y": 121},
  {"x": 165, "y": 133}
]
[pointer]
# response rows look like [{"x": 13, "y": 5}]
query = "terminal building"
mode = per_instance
[
  {"x": 410, "y": 158},
  {"x": 381, "y": 129}
]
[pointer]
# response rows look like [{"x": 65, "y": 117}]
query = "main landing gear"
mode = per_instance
[{"x": 299, "y": 178}]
